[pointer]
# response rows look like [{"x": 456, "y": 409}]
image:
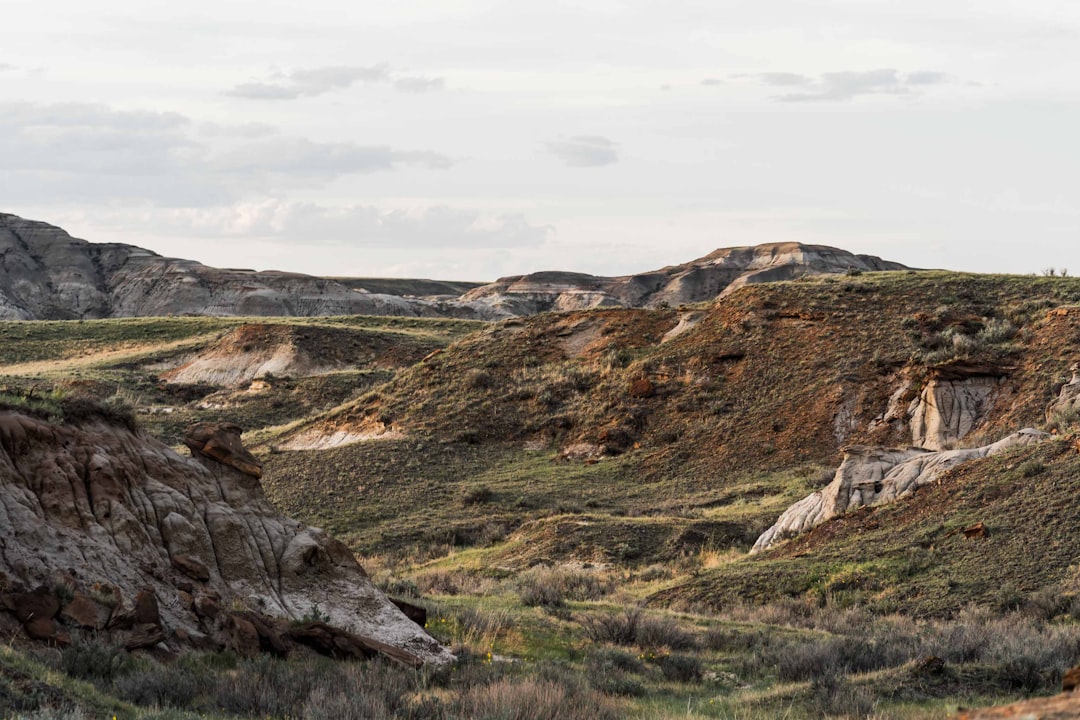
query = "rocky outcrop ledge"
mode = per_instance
[
  {"x": 105, "y": 529},
  {"x": 875, "y": 476}
]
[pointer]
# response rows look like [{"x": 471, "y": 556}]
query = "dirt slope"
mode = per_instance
[{"x": 767, "y": 377}]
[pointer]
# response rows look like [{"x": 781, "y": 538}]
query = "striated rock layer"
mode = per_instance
[
  {"x": 46, "y": 274},
  {"x": 700, "y": 280},
  {"x": 102, "y": 507},
  {"x": 875, "y": 476}
]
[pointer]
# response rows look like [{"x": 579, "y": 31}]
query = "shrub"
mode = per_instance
[
  {"x": 617, "y": 628},
  {"x": 92, "y": 659},
  {"x": 653, "y": 632},
  {"x": 996, "y": 331},
  {"x": 681, "y": 668},
  {"x": 1031, "y": 468},
  {"x": 532, "y": 700},
  {"x": 478, "y": 495},
  {"x": 153, "y": 684},
  {"x": 548, "y": 587},
  {"x": 477, "y": 379},
  {"x": 633, "y": 627},
  {"x": 612, "y": 671},
  {"x": 836, "y": 696}
]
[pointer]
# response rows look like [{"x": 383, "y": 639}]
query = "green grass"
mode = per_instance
[
  {"x": 922, "y": 563},
  {"x": 30, "y": 341},
  {"x": 474, "y": 502}
]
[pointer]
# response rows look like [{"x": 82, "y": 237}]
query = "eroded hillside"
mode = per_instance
[
  {"x": 765, "y": 378},
  {"x": 536, "y": 482},
  {"x": 628, "y": 428}
]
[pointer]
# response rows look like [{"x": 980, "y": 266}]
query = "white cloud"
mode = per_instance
[
  {"x": 304, "y": 157},
  {"x": 848, "y": 85},
  {"x": 318, "y": 81},
  {"x": 584, "y": 151},
  {"x": 418, "y": 84},
  {"x": 249, "y": 130},
  {"x": 79, "y": 152},
  {"x": 362, "y": 226}
]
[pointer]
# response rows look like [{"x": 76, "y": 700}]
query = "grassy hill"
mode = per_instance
[{"x": 578, "y": 492}]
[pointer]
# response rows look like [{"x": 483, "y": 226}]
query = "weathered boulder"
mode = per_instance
[
  {"x": 86, "y": 612},
  {"x": 1068, "y": 399},
  {"x": 1071, "y": 679},
  {"x": 221, "y": 442},
  {"x": 875, "y": 476},
  {"x": 947, "y": 409},
  {"x": 118, "y": 509}
]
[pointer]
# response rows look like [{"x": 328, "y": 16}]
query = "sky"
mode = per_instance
[{"x": 473, "y": 139}]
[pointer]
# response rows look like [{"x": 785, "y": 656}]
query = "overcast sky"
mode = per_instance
[{"x": 469, "y": 139}]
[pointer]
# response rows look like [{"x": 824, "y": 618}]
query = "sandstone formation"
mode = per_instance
[
  {"x": 47, "y": 274},
  {"x": 117, "y": 531},
  {"x": 875, "y": 476},
  {"x": 1068, "y": 399},
  {"x": 699, "y": 280},
  {"x": 940, "y": 411},
  {"x": 947, "y": 409}
]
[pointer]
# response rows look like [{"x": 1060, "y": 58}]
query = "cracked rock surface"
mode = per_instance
[
  {"x": 101, "y": 506},
  {"x": 875, "y": 476}
]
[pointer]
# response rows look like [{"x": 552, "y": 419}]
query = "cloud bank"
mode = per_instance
[
  {"x": 847, "y": 85},
  {"x": 319, "y": 81},
  {"x": 585, "y": 151},
  {"x": 355, "y": 225},
  {"x": 80, "y": 152}
]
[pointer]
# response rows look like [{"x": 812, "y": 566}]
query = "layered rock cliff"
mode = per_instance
[
  {"x": 699, "y": 280},
  {"x": 117, "y": 521},
  {"x": 47, "y": 274}
]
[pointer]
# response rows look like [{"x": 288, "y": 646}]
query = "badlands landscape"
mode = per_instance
[{"x": 775, "y": 481}]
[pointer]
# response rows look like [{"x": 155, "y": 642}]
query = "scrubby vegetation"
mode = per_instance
[{"x": 572, "y": 498}]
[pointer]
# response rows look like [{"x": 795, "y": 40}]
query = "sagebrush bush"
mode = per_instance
[
  {"x": 529, "y": 699},
  {"x": 615, "y": 672},
  {"x": 633, "y": 627},
  {"x": 997, "y": 330},
  {"x": 551, "y": 587},
  {"x": 679, "y": 667},
  {"x": 89, "y": 658},
  {"x": 616, "y": 628},
  {"x": 835, "y": 696},
  {"x": 156, "y": 685}
]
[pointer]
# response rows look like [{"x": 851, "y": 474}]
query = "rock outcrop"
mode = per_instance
[
  {"x": 948, "y": 409},
  {"x": 699, "y": 280},
  {"x": 1068, "y": 400},
  {"x": 252, "y": 351},
  {"x": 46, "y": 274},
  {"x": 128, "y": 535},
  {"x": 875, "y": 476}
]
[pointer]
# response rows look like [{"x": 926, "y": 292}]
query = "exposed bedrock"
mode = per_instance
[
  {"x": 876, "y": 476},
  {"x": 102, "y": 507},
  {"x": 948, "y": 409}
]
